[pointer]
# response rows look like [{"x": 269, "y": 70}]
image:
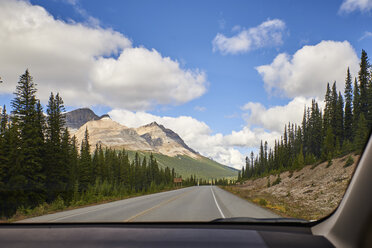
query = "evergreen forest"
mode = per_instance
[{"x": 343, "y": 127}]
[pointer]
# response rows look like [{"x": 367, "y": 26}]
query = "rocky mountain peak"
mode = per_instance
[
  {"x": 105, "y": 116},
  {"x": 152, "y": 124},
  {"x": 164, "y": 140},
  {"x": 78, "y": 117}
]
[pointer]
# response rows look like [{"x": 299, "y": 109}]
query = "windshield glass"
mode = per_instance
[{"x": 131, "y": 111}]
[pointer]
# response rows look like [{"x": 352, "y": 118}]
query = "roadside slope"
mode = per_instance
[{"x": 310, "y": 193}]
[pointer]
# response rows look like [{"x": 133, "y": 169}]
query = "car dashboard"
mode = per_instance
[{"x": 160, "y": 235}]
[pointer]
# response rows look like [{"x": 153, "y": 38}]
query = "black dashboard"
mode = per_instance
[{"x": 159, "y": 235}]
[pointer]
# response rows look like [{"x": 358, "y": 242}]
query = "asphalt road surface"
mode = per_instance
[{"x": 198, "y": 203}]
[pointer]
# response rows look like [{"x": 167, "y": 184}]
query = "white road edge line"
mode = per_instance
[{"x": 218, "y": 206}]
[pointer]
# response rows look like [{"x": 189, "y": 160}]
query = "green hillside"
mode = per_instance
[{"x": 187, "y": 166}]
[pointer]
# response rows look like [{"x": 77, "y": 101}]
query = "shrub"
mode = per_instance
[
  {"x": 57, "y": 204},
  {"x": 262, "y": 202},
  {"x": 349, "y": 161},
  {"x": 277, "y": 181},
  {"x": 290, "y": 174},
  {"x": 329, "y": 163}
]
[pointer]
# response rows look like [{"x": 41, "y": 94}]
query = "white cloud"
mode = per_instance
[
  {"x": 248, "y": 137},
  {"x": 276, "y": 117},
  {"x": 236, "y": 28},
  {"x": 140, "y": 75},
  {"x": 74, "y": 59},
  {"x": 307, "y": 72},
  {"x": 349, "y": 6},
  {"x": 199, "y": 136},
  {"x": 366, "y": 35},
  {"x": 200, "y": 108},
  {"x": 268, "y": 33},
  {"x": 90, "y": 19}
]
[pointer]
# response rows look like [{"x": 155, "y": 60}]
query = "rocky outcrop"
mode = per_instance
[
  {"x": 76, "y": 118},
  {"x": 165, "y": 141}
]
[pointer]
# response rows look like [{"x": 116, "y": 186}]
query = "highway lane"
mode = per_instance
[{"x": 198, "y": 203}]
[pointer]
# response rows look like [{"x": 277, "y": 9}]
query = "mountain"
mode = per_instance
[
  {"x": 109, "y": 133},
  {"x": 165, "y": 141},
  {"x": 167, "y": 146},
  {"x": 76, "y": 118}
]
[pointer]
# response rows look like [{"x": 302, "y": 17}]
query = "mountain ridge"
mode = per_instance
[{"x": 166, "y": 145}]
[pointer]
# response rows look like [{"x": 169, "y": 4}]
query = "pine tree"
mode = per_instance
[
  {"x": 361, "y": 135},
  {"x": 356, "y": 106},
  {"x": 56, "y": 165},
  {"x": 144, "y": 174},
  {"x": 261, "y": 159},
  {"x": 39, "y": 141},
  {"x": 329, "y": 144},
  {"x": 74, "y": 160},
  {"x": 27, "y": 172},
  {"x": 369, "y": 100},
  {"x": 101, "y": 163},
  {"x": 137, "y": 173},
  {"x": 339, "y": 119},
  {"x": 4, "y": 170},
  {"x": 85, "y": 163},
  {"x": 333, "y": 112},
  {"x": 3, "y": 150},
  {"x": 363, "y": 81},
  {"x": 348, "y": 120},
  {"x": 315, "y": 130},
  {"x": 15, "y": 180},
  {"x": 304, "y": 131},
  {"x": 66, "y": 162},
  {"x": 328, "y": 108}
]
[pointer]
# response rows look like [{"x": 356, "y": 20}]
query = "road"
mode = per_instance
[{"x": 198, "y": 203}]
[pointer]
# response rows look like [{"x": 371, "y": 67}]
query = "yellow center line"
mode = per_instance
[{"x": 157, "y": 206}]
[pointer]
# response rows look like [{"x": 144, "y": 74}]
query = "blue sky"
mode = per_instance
[{"x": 229, "y": 103}]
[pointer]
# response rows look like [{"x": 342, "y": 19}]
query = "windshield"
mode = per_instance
[{"x": 138, "y": 111}]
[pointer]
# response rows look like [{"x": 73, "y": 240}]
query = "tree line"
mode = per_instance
[
  {"x": 343, "y": 127},
  {"x": 41, "y": 163}
]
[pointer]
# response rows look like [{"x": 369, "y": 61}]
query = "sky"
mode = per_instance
[{"x": 224, "y": 75}]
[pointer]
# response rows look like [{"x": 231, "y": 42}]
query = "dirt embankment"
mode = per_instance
[{"x": 310, "y": 193}]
